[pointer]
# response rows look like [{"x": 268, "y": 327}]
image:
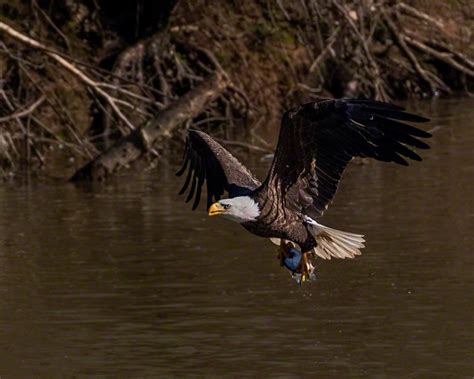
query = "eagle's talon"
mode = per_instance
[{"x": 306, "y": 268}]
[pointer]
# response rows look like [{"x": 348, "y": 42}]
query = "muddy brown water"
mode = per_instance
[{"x": 125, "y": 281}]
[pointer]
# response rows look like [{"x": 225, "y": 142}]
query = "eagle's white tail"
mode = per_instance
[
  {"x": 332, "y": 243},
  {"x": 335, "y": 243}
]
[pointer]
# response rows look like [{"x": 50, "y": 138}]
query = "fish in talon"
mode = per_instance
[{"x": 293, "y": 259}]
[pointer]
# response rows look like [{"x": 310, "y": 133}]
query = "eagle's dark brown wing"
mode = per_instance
[
  {"x": 206, "y": 160},
  {"x": 317, "y": 140}
]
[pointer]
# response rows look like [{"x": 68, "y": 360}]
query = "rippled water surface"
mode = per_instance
[{"x": 127, "y": 281}]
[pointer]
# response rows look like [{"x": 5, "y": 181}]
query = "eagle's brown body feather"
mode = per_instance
[{"x": 277, "y": 222}]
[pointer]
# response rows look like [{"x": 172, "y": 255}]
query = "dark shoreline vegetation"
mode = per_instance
[{"x": 89, "y": 87}]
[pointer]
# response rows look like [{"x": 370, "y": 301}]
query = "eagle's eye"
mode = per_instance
[{"x": 226, "y": 206}]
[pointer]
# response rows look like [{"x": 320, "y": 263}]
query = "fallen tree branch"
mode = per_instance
[
  {"x": 327, "y": 50},
  {"x": 378, "y": 83},
  {"x": 433, "y": 81},
  {"x": 24, "y": 112},
  {"x": 449, "y": 49},
  {"x": 409, "y": 10},
  {"x": 142, "y": 139},
  {"x": 52, "y": 24},
  {"x": 443, "y": 57},
  {"x": 71, "y": 68}
]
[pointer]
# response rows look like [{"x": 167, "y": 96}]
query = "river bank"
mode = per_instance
[{"x": 81, "y": 76}]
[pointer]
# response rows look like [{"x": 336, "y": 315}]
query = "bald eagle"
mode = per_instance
[{"x": 317, "y": 140}]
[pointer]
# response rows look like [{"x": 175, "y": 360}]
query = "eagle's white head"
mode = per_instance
[{"x": 239, "y": 209}]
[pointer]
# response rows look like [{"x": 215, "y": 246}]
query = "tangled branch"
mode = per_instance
[{"x": 95, "y": 86}]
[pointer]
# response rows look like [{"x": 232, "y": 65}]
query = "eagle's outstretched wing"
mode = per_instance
[
  {"x": 317, "y": 140},
  {"x": 209, "y": 161}
]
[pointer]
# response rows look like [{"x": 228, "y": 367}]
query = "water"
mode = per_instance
[{"x": 127, "y": 281}]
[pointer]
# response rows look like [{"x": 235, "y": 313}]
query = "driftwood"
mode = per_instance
[{"x": 142, "y": 139}]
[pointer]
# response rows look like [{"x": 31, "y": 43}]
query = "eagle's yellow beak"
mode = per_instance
[{"x": 216, "y": 209}]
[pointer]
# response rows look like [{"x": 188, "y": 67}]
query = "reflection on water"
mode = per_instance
[{"x": 126, "y": 280}]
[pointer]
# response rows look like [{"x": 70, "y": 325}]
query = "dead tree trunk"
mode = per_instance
[{"x": 142, "y": 139}]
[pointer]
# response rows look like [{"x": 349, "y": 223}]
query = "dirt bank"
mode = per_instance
[{"x": 87, "y": 73}]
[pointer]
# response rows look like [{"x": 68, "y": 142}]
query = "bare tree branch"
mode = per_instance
[
  {"x": 71, "y": 68},
  {"x": 444, "y": 57},
  {"x": 25, "y": 112}
]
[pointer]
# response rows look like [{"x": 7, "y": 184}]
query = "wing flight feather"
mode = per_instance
[
  {"x": 207, "y": 161},
  {"x": 317, "y": 141}
]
